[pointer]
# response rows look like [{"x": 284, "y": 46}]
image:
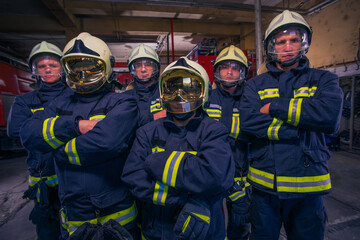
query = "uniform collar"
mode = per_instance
[
  {"x": 191, "y": 125},
  {"x": 237, "y": 92},
  {"x": 303, "y": 63},
  {"x": 142, "y": 88}
]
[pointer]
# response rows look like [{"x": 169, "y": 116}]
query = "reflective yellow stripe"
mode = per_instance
[
  {"x": 36, "y": 109},
  {"x": 235, "y": 126},
  {"x": 71, "y": 152},
  {"x": 64, "y": 220},
  {"x": 172, "y": 167},
  {"x": 160, "y": 193},
  {"x": 186, "y": 223},
  {"x": 203, "y": 217},
  {"x": 155, "y": 107},
  {"x": 51, "y": 181},
  {"x": 294, "y": 111},
  {"x": 261, "y": 177},
  {"x": 269, "y": 93},
  {"x": 122, "y": 217},
  {"x": 305, "y": 92},
  {"x": 273, "y": 130},
  {"x": 142, "y": 237},
  {"x": 157, "y": 149},
  {"x": 48, "y": 133},
  {"x": 304, "y": 184},
  {"x": 214, "y": 113},
  {"x": 97, "y": 117}
]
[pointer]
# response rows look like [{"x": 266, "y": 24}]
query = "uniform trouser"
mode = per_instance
[
  {"x": 303, "y": 218},
  {"x": 46, "y": 219}
]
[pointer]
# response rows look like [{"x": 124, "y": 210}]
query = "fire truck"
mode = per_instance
[{"x": 15, "y": 79}]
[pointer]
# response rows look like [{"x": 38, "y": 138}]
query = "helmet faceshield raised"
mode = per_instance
[
  {"x": 286, "y": 45},
  {"x": 182, "y": 91},
  {"x": 85, "y": 74}
]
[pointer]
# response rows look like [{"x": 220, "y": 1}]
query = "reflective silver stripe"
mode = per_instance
[
  {"x": 70, "y": 150},
  {"x": 235, "y": 125},
  {"x": 273, "y": 130},
  {"x": 48, "y": 133},
  {"x": 261, "y": 177},
  {"x": 303, "y": 184},
  {"x": 269, "y": 93}
]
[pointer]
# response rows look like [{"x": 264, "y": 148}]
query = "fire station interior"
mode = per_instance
[{"x": 198, "y": 29}]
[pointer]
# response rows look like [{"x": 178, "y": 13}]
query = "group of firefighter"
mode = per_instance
[{"x": 174, "y": 157}]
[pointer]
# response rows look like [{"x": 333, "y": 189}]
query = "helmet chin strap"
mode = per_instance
[
  {"x": 143, "y": 80},
  {"x": 291, "y": 61},
  {"x": 229, "y": 84}
]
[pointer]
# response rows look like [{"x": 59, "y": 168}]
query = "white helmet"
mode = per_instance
[
  {"x": 231, "y": 57},
  {"x": 87, "y": 62},
  {"x": 184, "y": 86},
  {"x": 287, "y": 22},
  {"x": 149, "y": 58}
]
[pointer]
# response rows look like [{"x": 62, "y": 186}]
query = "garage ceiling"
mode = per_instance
[{"x": 125, "y": 24}]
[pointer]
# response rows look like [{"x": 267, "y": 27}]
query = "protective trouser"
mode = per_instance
[
  {"x": 303, "y": 218},
  {"x": 45, "y": 214}
]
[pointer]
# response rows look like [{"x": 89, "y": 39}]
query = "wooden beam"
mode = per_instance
[{"x": 62, "y": 14}]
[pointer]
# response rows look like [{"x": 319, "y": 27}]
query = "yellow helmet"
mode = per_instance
[
  {"x": 231, "y": 57},
  {"x": 88, "y": 62},
  {"x": 147, "y": 54},
  {"x": 285, "y": 22},
  {"x": 184, "y": 86}
]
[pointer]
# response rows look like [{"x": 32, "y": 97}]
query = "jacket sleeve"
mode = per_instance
[
  {"x": 140, "y": 183},
  {"x": 46, "y": 131},
  {"x": 109, "y": 137},
  {"x": 18, "y": 114},
  {"x": 320, "y": 112},
  {"x": 255, "y": 123},
  {"x": 210, "y": 171}
]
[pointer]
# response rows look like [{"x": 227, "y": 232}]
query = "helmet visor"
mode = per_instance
[
  {"x": 288, "y": 44},
  {"x": 182, "y": 91},
  {"x": 144, "y": 69},
  {"x": 47, "y": 67},
  {"x": 85, "y": 74},
  {"x": 230, "y": 71}
]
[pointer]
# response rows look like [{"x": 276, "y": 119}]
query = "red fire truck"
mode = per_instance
[{"x": 15, "y": 79}]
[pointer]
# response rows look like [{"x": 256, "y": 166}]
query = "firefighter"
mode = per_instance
[
  {"x": 287, "y": 111},
  {"x": 180, "y": 166},
  {"x": 44, "y": 62},
  {"x": 230, "y": 71},
  {"x": 144, "y": 67},
  {"x": 89, "y": 133}
]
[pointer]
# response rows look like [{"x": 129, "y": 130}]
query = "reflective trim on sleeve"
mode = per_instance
[
  {"x": 294, "y": 111},
  {"x": 160, "y": 193},
  {"x": 71, "y": 152},
  {"x": 214, "y": 113},
  {"x": 122, "y": 217},
  {"x": 235, "y": 126},
  {"x": 303, "y": 184},
  {"x": 236, "y": 195},
  {"x": 305, "y": 92},
  {"x": 155, "y": 106},
  {"x": 48, "y": 133},
  {"x": 172, "y": 167},
  {"x": 97, "y": 117},
  {"x": 273, "y": 130},
  {"x": 260, "y": 177},
  {"x": 269, "y": 93},
  {"x": 37, "y": 109},
  {"x": 51, "y": 181}
]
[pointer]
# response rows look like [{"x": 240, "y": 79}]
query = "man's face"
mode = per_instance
[
  {"x": 229, "y": 71},
  {"x": 144, "y": 68},
  {"x": 49, "y": 70},
  {"x": 287, "y": 45}
]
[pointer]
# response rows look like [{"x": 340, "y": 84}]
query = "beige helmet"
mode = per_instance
[
  {"x": 184, "y": 86},
  {"x": 287, "y": 21},
  {"x": 41, "y": 51},
  {"x": 231, "y": 57},
  {"x": 147, "y": 54},
  {"x": 88, "y": 62}
]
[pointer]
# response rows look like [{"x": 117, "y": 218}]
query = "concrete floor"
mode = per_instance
[{"x": 343, "y": 205}]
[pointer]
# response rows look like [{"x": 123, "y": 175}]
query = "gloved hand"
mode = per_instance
[{"x": 194, "y": 220}]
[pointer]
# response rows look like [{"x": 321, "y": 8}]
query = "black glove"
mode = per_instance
[{"x": 194, "y": 220}]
